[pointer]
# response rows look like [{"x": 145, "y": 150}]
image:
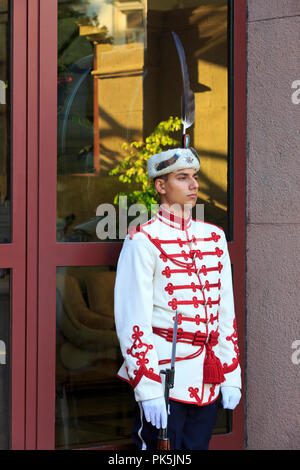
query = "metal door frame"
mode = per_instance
[
  {"x": 13, "y": 254},
  {"x": 44, "y": 254}
]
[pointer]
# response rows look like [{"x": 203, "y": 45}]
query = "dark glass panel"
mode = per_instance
[{"x": 5, "y": 127}]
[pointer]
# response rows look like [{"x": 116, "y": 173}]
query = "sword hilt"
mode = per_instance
[
  {"x": 163, "y": 442},
  {"x": 170, "y": 374}
]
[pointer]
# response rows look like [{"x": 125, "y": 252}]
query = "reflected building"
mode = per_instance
[
  {"x": 127, "y": 82},
  {"x": 119, "y": 77}
]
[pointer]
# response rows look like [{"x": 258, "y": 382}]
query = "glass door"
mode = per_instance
[{"x": 104, "y": 70}]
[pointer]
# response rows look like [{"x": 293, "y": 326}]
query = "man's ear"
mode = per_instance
[{"x": 159, "y": 184}]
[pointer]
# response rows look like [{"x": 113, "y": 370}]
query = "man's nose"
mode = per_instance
[{"x": 194, "y": 184}]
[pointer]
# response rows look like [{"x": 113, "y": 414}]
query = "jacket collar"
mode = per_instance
[{"x": 173, "y": 220}]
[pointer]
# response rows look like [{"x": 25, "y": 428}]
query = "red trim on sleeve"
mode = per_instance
[{"x": 141, "y": 359}]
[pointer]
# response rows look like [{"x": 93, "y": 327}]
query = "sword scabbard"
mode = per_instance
[{"x": 163, "y": 442}]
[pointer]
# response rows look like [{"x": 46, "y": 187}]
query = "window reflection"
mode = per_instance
[
  {"x": 202, "y": 26},
  {"x": 93, "y": 407},
  {"x": 100, "y": 94},
  {"x": 118, "y": 78},
  {"x": 5, "y": 158}
]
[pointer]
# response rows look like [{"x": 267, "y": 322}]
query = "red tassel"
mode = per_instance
[{"x": 213, "y": 370}]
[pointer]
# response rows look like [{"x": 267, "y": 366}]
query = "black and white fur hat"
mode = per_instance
[{"x": 172, "y": 160}]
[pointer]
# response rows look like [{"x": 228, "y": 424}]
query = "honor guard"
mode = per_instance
[{"x": 175, "y": 264}]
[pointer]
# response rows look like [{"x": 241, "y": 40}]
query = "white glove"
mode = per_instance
[
  {"x": 230, "y": 397},
  {"x": 155, "y": 412}
]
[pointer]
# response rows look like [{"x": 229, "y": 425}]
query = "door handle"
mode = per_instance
[
  {"x": 2, "y": 92},
  {"x": 2, "y": 352}
]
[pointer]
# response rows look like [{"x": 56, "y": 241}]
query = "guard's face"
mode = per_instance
[{"x": 181, "y": 188}]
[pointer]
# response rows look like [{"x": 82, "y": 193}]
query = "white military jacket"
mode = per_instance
[{"x": 171, "y": 264}]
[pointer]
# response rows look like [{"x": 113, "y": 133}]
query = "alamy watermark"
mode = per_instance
[
  {"x": 296, "y": 95},
  {"x": 296, "y": 354},
  {"x": 114, "y": 226}
]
